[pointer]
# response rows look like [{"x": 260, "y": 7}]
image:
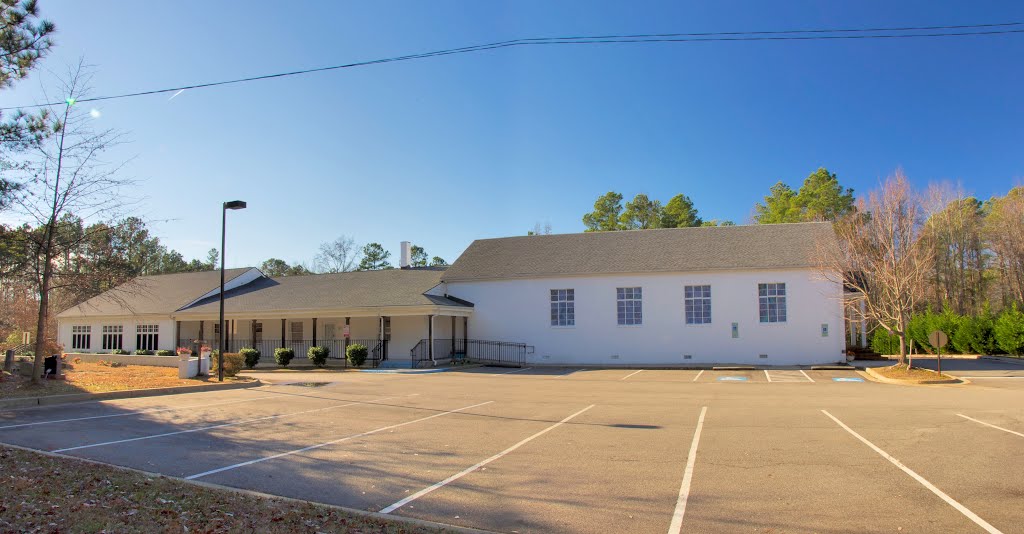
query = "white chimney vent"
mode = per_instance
[{"x": 406, "y": 260}]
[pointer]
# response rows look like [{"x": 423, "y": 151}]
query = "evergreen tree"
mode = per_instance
[
  {"x": 679, "y": 213},
  {"x": 374, "y": 258},
  {"x": 641, "y": 213},
  {"x": 606, "y": 214}
]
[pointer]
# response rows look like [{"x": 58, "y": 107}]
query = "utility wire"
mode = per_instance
[{"x": 776, "y": 35}]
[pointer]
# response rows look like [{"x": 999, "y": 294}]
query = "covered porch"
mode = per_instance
[{"x": 393, "y": 336}]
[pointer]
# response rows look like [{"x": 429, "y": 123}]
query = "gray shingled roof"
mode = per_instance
[
  {"x": 768, "y": 246},
  {"x": 160, "y": 294},
  {"x": 363, "y": 289}
]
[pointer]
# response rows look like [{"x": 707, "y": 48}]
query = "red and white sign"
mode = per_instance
[{"x": 345, "y": 332}]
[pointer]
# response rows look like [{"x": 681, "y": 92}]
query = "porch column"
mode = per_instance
[
  {"x": 252, "y": 332},
  {"x": 380, "y": 336},
  {"x": 202, "y": 325},
  {"x": 465, "y": 335},
  {"x": 452, "y": 354},
  {"x": 853, "y": 325},
  {"x": 282, "y": 333},
  {"x": 348, "y": 322},
  {"x": 177, "y": 334},
  {"x": 863, "y": 326},
  {"x": 314, "y": 331},
  {"x": 430, "y": 337}
]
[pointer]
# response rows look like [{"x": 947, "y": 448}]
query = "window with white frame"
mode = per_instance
[
  {"x": 697, "y": 303},
  {"x": 772, "y": 302},
  {"x": 629, "y": 305},
  {"x": 81, "y": 336},
  {"x": 296, "y": 331},
  {"x": 113, "y": 337},
  {"x": 563, "y": 307},
  {"x": 147, "y": 336}
]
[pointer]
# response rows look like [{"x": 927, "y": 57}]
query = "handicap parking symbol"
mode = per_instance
[
  {"x": 848, "y": 379},
  {"x": 733, "y": 378}
]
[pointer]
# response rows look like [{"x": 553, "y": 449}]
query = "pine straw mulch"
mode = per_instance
[
  {"x": 95, "y": 377},
  {"x": 905, "y": 372},
  {"x": 44, "y": 493}
]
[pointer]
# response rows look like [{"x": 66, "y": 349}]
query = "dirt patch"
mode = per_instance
[
  {"x": 914, "y": 374},
  {"x": 50, "y": 494},
  {"x": 85, "y": 377}
]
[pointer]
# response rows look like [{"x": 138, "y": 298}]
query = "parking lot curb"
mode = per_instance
[
  {"x": 874, "y": 375},
  {"x": 353, "y": 511},
  {"x": 50, "y": 400},
  {"x": 1015, "y": 361}
]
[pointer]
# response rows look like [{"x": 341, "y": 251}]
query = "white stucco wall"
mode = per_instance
[
  {"x": 519, "y": 310},
  {"x": 166, "y": 340}
]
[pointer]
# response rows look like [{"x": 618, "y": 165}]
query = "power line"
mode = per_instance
[{"x": 775, "y": 35}]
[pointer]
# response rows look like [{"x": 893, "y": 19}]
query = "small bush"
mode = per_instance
[
  {"x": 166, "y": 353},
  {"x": 251, "y": 356},
  {"x": 110, "y": 364},
  {"x": 356, "y": 354},
  {"x": 883, "y": 342},
  {"x": 27, "y": 353},
  {"x": 1008, "y": 330},
  {"x": 318, "y": 355},
  {"x": 76, "y": 360},
  {"x": 233, "y": 362},
  {"x": 283, "y": 356},
  {"x": 119, "y": 351},
  {"x": 143, "y": 352}
]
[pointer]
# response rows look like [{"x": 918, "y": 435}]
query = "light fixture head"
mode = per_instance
[{"x": 234, "y": 205}]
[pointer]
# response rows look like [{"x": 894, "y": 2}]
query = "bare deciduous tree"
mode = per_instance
[
  {"x": 953, "y": 228},
  {"x": 67, "y": 176},
  {"x": 881, "y": 257},
  {"x": 1004, "y": 231},
  {"x": 338, "y": 256}
]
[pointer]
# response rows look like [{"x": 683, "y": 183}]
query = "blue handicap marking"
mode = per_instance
[
  {"x": 733, "y": 378},
  {"x": 848, "y": 379}
]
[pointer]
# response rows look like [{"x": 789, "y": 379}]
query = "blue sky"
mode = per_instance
[{"x": 446, "y": 150}]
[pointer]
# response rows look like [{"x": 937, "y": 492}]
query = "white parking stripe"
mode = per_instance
[
  {"x": 768, "y": 376},
  {"x": 807, "y": 375},
  {"x": 991, "y": 425},
  {"x": 515, "y": 371},
  {"x": 326, "y": 443},
  {"x": 153, "y": 410},
  {"x": 684, "y": 488},
  {"x": 979, "y": 377},
  {"x": 222, "y": 425},
  {"x": 949, "y": 500},
  {"x": 698, "y": 375},
  {"x": 630, "y": 374},
  {"x": 469, "y": 470}
]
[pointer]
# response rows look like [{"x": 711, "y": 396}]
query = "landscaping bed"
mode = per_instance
[
  {"x": 99, "y": 377},
  {"x": 52, "y": 494},
  {"x": 905, "y": 373}
]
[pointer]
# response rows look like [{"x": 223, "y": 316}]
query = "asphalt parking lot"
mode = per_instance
[{"x": 574, "y": 450}]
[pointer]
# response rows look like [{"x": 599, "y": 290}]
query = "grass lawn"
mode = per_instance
[
  {"x": 96, "y": 378},
  {"x": 905, "y": 372},
  {"x": 50, "y": 494}
]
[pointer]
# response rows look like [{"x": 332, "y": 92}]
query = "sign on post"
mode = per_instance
[
  {"x": 345, "y": 332},
  {"x": 938, "y": 339}
]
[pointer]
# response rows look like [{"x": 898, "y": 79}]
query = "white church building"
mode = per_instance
[{"x": 669, "y": 297}]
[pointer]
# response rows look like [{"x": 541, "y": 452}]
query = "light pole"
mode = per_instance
[{"x": 230, "y": 205}]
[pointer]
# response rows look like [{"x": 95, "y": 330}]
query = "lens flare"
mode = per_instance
[{"x": 94, "y": 113}]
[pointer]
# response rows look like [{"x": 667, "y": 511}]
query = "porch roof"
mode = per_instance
[{"x": 360, "y": 289}]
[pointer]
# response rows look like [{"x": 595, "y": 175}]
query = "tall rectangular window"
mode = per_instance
[
  {"x": 629, "y": 305},
  {"x": 563, "y": 307},
  {"x": 296, "y": 331},
  {"x": 772, "y": 302},
  {"x": 81, "y": 337},
  {"x": 147, "y": 336},
  {"x": 697, "y": 302},
  {"x": 113, "y": 337}
]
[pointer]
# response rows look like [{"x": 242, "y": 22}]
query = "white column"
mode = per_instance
[
  {"x": 852, "y": 324},
  {"x": 430, "y": 338}
]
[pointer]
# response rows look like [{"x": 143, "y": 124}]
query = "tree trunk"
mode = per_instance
[{"x": 44, "y": 312}]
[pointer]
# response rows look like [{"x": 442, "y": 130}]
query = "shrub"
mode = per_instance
[
  {"x": 356, "y": 354},
  {"x": 883, "y": 342},
  {"x": 166, "y": 353},
  {"x": 76, "y": 360},
  {"x": 318, "y": 355},
  {"x": 283, "y": 356},
  {"x": 974, "y": 334},
  {"x": 1008, "y": 330},
  {"x": 233, "y": 362},
  {"x": 251, "y": 356},
  {"x": 110, "y": 364},
  {"x": 143, "y": 352},
  {"x": 27, "y": 353},
  {"x": 119, "y": 351}
]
